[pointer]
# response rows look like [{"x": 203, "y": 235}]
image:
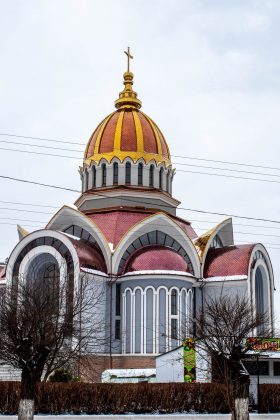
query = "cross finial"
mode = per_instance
[{"x": 129, "y": 56}]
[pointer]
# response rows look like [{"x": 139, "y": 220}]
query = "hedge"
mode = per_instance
[
  {"x": 269, "y": 399},
  {"x": 84, "y": 398}
]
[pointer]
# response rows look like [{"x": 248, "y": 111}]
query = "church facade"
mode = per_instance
[{"x": 124, "y": 232}]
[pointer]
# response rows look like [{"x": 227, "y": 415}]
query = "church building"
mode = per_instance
[{"x": 124, "y": 232}]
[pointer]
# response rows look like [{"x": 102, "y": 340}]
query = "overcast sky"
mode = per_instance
[{"x": 207, "y": 71}]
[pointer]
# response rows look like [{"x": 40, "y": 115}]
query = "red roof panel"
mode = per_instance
[
  {"x": 228, "y": 261},
  {"x": 115, "y": 223},
  {"x": 156, "y": 258},
  {"x": 89, "y": 256}
]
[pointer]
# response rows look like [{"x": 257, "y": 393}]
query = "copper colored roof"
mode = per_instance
[
  {"x": 156, "y": 258},
  {"x": 89, "y": 256},
  {"x": 127, "y": 132},
  {"x": 228, "y": 261},
  {"x": 115, "y": 223},
  {"x": 2, "y": 272}
]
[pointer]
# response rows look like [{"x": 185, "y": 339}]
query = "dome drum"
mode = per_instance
[{"x": 128, "y": 173}]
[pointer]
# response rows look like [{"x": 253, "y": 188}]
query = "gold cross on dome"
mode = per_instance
[{"x": 129, "y": 56}]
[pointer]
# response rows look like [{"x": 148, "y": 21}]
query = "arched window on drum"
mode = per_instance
[
  {"x": 104, "y": 174},
  {"x": 140, "y": 173},
  {"x": 93, "y": 177},
  {"x": 151, "y": 175},
  {"x": 115, "y": 173},
  {"x": 160, "y": 178},
  {"x": 167, "y": 181},
  {"x": 128, "y": 173}
]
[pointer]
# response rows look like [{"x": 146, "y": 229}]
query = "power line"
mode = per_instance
[
  {"x": 81, "y": 157},
  {"x": 190, "y": 220},
  {"x": 141, "y": 201},
  {"x": 44, "y": 222},
  {"x": 178, "y": 170},
  {"x": 28, "y": 204},
  {"x": 177, "y": 156},
  {"x": 38, "y": 183},
  {"x": 76, "y": 157},
  {"x": 38, "y": 145},
  {"x": 39, "y": 153},
  {"x": 230, "y": 176},
  {"x": 269, "y": 245},
  {"x": 40, "y": 138},
  {"x": 23, "y": 220},
  {"x": 245, "y": 233},
  {"x": 120, "y": 222}
]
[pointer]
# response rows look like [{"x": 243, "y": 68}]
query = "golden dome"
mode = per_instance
[{"x": 127, "y": 132}]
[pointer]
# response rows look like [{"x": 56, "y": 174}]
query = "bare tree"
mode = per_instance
[
  {"x": 47, "y": 324},
  {"x": 222, "y": 329}
]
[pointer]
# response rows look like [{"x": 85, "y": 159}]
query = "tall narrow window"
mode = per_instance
[
  {"x": 151, "y": 177},
  {"x": 174, "y": 314},
  {"x": 118, "y": 299},
  {"x": 104, "y": 175},
  {"x": 128, "y": 173},
  {"x": 115, "y": 173},
  {"x": 118, "y": 312},
  {"x": 174, "y": 309},
  {"x": 160, "y": 178},
  {"x": 93, "y": 177},
  {"x": 140, "y": 174},
  {"x": 167, "y": 182},
  {"x": 259, "y": 293},
  {"x": 86, "y": 180},
  {"x": 174, "y": 332}
]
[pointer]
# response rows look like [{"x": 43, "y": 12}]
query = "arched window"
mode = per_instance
[
  {"x": 259, "y": 292},
  {"x": 140, "y": 173},
  {"x": 160, "y": 178},
  {"x": 115, "y": 173},
  {"x": 128, "y": 173},
  {"x": 151, "y": 176},
  {"x": 104, "y": 175},
  {"x": 93, "y": 177},
  {"x": 259, "y": 296},
  {"x": 154, "y": 237},
  {"x": 167, "y": 181},
  {"x": 174, "y": 314},
  {"x": 174, "y": 306},
  {"x": 44, "y": 273}
]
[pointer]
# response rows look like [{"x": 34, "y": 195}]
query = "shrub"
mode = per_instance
[
  {"x": 61, "y": 375},
  {"x": 78, "y": 398},
  {"x": 269, "y": 398}
]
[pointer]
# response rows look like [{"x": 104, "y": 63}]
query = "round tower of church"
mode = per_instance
[{"x": 126, "y": 156}]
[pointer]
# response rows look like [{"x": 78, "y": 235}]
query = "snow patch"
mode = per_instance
[
  {"x": 226, "y": 278},
  {"x": 169, "y": 272},
  {"x": 92, "y": 271}
]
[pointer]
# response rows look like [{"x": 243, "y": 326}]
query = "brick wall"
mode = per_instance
[{"x": 91, "y": 367}]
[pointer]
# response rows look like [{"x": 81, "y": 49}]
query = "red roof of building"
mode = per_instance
[
  {"x": 2, "y": 272},
  {"x": 115, "y": 223},
  {"x": 89, "y": 256},
  {"x": 228, "y": 261},
  {"x": 156, "y": 258},
  {"x": 125, "y": 122}
]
